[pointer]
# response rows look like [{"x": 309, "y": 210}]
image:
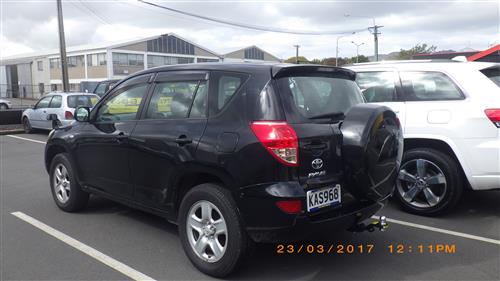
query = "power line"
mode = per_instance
[
  {"x": 94, "y": 13},
  {"x": 254, "y": 27}
]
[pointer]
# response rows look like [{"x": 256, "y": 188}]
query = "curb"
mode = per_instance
[{"x": 11, "y": 132}]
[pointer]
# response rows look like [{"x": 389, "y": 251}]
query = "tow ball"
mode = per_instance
[{"x": 380, "y": 224}]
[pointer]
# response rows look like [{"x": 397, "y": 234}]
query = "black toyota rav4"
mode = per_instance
[{"x": 232, "y": 153}]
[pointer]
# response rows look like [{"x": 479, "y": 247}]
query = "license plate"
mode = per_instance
[{"x": 324, "y": 197}]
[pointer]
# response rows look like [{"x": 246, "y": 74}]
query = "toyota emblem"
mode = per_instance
[{"x": 317, "y": 163}]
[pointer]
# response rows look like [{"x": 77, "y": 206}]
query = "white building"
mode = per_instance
[{"x": 32, "y": 75}]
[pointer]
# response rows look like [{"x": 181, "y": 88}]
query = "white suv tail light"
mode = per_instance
[{"x": 494, "y": 115}]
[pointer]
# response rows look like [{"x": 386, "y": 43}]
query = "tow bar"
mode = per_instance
[{"x": 380, "y": 224}]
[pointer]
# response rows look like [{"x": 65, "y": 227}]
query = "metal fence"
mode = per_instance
[{"x": 23, "y": 95}]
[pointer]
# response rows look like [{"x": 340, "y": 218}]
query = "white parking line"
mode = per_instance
[
  {"x": 105, "y": 259},
  {"x": 21, "y": 138},
  {"x": 440, "y": 230}
]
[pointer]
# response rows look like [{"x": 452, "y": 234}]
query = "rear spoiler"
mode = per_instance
[{"x": 288, "y": 70}]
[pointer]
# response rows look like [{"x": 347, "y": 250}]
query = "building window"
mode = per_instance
[
  {"x": 55, "y": 63},
  {"x": 170, "y": 44},
  {"x": 167, "y": 60},
  {"x": 128, "y": 59},
  {"x": 207, "y": 60},
  {"x": 254, "y": 54},
  {"x": 96, "y": 59},
  {"x": 75, "y": 61},
  {"x": 41, "y": 88},
  {"x": 39, "y": 65},
  {"x": 53, "y": 87},
  {"x": 74, "y": 87}
]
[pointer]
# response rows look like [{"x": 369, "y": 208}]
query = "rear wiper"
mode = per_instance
[{"x": 331, "y": 115}]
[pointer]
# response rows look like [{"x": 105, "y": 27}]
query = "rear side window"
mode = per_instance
[
  {"x": 377, "y": 86},
  {"x": 173, "y": 100},
  {"x": 313, "y": 96},
  {"x": 225, "y": 85},
  {"x": 429, "y": 86},
  {"x": 75, "y": 101},
  {"x": 101, "y": 89},
  {"x": 493, "y": 73},
  {"x": 55, "y": 102}
]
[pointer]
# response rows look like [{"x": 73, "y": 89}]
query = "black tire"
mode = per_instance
[
  {"x": 27, "y": 126},
  {"x": 452, "y": 173},
  {"x": 77, "y": 198},
  {"x": 238, "y": 243},
  {"x": 372, "y": 149},
  {"x": 3, "y": 106}
]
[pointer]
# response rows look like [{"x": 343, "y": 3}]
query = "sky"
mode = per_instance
[{"x": 28, "y": 25}]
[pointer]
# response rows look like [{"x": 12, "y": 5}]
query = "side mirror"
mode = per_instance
[
  {"x": 82, "y": 114},
  {"x": 33, "y": 106},
  {"x": 55, "y": 120}
]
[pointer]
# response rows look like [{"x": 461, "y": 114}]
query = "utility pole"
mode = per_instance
[
  {"x": 62, "y": 48},
  {"x": 375, "y": 31},
  {"x": 357, "y": 50},
  {"x": 297, "y": 53}
]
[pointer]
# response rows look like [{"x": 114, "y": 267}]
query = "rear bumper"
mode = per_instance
[
  {"x": 483, "y": 160},
  {"x": 265, "y": 222}
]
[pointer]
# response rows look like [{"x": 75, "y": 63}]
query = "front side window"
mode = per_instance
[
  {"x": 56, "y": 102},
  {"x": 429, "y": 86},
  {"x": 377, "y": 86},
  {"x": 173, "y": 100},
  {"x": 124, "y": 104},
  {"x": 44, "y": 103}
]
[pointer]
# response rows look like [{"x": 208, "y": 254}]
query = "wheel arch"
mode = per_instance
[
  {"x": 190, "y": 179},
  {"x": 442, "y": 144},
  {"x": 51, "y": 152}
]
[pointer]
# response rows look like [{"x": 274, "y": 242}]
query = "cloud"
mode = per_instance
[{"x": 28, "y": 25}]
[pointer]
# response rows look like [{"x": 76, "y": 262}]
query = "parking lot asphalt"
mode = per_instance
[{"x": 151, "y": 246}]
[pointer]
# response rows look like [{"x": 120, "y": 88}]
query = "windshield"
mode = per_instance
[
  {"x": 82, "y": 100},
  {"x": 493, "y": 73},
  {"x": 310, "y": 97}
]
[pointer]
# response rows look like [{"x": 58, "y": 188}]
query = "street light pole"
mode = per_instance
[
  {"x": 297, "y": 53},
  {"x": 62, "y": 48},
  {"x": 357, "y": 50},
  {"x": 337, "y": 48}
]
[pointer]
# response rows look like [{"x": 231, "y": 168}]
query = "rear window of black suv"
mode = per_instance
[{"x": 308, "y": 97}]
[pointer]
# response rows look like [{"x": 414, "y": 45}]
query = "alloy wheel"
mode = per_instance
[
  {"x": 61, "y": 183},
  {"x": 207, "y": 231},
  {"x": 421, "y": 183}
]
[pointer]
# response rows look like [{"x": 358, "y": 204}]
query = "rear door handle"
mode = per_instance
[{"x": 183, "y": 140}]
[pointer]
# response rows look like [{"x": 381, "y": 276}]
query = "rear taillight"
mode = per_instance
[
  {"x": 494, "y": 115},
  {"x": 290, "y": 206},
  {"x": 68, "y": 115},
  {"x": 279, "y": 139}
]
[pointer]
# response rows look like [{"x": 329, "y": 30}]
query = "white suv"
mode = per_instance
[{"x": 450, "y": 113}]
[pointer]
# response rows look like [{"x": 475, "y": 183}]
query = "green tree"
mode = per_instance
[
  {"x": 302, "y": 59},
  {"x": 360, "y": 59},
  {"x": 417, "y": 49}
]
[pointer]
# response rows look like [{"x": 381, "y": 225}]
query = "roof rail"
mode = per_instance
[{"x": 404, "y": 61}]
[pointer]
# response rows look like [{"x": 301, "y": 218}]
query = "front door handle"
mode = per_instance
[
  {"x": 183, "y": 140},
  {"x": 120, "y": 137}
]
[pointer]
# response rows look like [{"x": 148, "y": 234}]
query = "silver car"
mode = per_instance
[
  {"x": 5, "y": 104},
  {"x": 62, "y": 104}
]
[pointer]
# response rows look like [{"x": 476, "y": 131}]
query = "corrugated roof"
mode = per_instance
[{"x": 27, "y": 57}]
